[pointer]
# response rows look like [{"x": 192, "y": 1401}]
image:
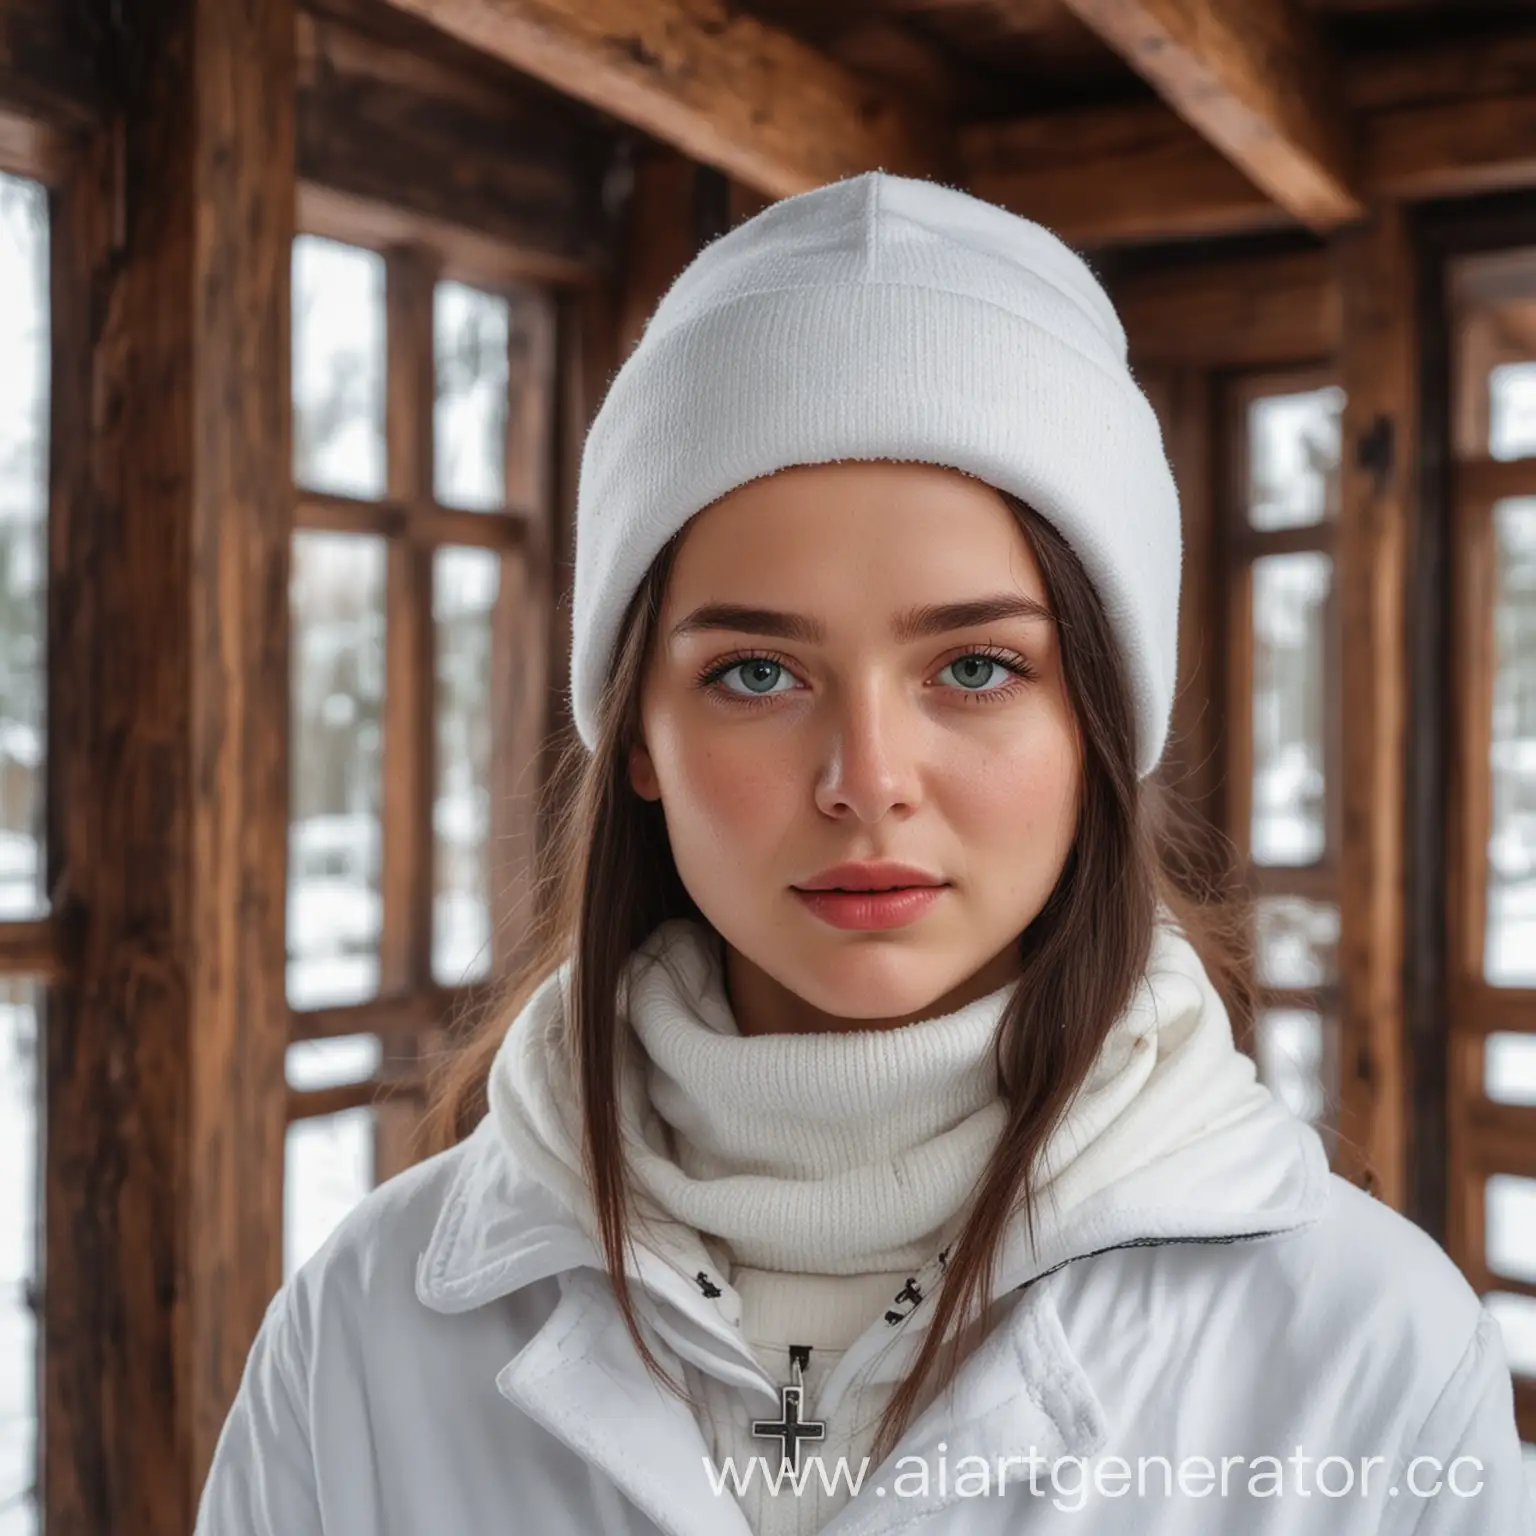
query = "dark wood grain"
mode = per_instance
[
  {"x": 1379, "y": 365},
  {"x": 1254, "y": 79},
  {"x": 1256, "y": 312},
  {"x": 718, "y": 85},
  {"x": 53, "y": 56},
  {"x": 397, "y": 127},
  {"x": 168, "y": 643}
]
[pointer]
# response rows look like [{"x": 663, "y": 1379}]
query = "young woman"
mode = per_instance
[{"x": 866, "y": 1147}]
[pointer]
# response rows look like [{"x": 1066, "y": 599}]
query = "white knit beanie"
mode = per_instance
[{"x": 881, "y": 317}]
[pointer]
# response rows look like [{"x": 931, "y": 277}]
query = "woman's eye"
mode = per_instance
[
  {"x": 973, "y": 671},
  {"x": 758, "y": 673},
  {"x": 976, "y": 674}
]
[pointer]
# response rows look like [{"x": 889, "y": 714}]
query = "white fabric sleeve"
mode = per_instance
[
  {"x": 261, "y": 1481},
  {"x": 1474, "y": 1419}
]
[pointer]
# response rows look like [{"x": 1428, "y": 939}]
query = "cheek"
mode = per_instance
[
  {"x": 1021, "y": 798},
  {"x": 721, "y": 794}
]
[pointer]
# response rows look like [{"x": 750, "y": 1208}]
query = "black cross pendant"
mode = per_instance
[{"x": 789, "y": 1429}]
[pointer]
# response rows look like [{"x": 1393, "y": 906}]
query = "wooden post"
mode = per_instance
[
  {"x": 1379, "y": 371},
  {"x": 168, "y": 706},
  {"x": 661, "y": 236}
]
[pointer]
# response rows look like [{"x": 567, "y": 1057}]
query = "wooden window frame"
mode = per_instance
[
  {"x": 30, "y": 948},
  {"x": 33, "y": 151},
  {"x": 1452, "y": 807},
  {"x": 161, "y": 1156},
  {"x": 1240, "y": 546},
  {"x": 1484, "y": 1137},
  {"x": 409, "y": 1011}
]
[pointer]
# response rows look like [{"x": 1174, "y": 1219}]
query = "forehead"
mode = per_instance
[{"x": 854, "y": 537}]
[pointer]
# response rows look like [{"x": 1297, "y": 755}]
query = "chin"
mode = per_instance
[{"x": 866, "y": 982}]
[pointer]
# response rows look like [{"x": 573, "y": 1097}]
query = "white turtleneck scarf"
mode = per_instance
[{"x": 804, "y": 1180}]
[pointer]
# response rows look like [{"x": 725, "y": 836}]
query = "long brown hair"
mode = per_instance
[{"x": 606, "y": 880}]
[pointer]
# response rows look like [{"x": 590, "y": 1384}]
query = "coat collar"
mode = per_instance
[
  {"x": 1022, "y": 1391},
  {"x": 500, "y": 1230}
]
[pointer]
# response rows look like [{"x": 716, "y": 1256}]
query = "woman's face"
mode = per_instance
[{"x": 953, "y": 749}]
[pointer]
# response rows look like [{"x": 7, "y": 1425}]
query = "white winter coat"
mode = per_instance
[{"x": 452, "y": 1363}]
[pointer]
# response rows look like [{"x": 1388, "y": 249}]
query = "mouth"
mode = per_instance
[{"x": 868, "y": 909}]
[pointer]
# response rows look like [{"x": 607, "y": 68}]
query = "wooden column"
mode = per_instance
[
  {"x": 660, "y": 237},
  {"x": 597, "y": 326},
  {"x": 168, "y": 707},
  {"x": 1182, "y": 397},
  {"x": 1379, "y": 371}
]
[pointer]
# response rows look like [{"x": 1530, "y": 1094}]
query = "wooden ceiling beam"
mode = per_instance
[
  {"x": 715, "y": 84},
  {"x": 1131, "y": 174},
  {"x": 377, "y": 122},
  {"x": 1251, "y": 77},
  {"x": 1114, "y": 176},
  {"x": 1259, "y": 312},
  {"x": 1452, "y": 148}
]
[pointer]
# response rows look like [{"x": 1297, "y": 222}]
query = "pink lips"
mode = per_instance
[{"x": 872, "y": 910}]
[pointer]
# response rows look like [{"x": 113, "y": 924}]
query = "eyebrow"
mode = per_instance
[{"x": 915, "y": 623}]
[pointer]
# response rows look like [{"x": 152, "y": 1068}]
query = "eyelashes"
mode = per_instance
[{"x": 1023, "y": 673}]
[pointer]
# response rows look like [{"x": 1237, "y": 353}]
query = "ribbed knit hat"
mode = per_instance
[{"x": 882, "y": 317}]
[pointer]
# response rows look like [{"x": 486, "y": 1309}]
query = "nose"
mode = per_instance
[{"x": 870, "y": 764}]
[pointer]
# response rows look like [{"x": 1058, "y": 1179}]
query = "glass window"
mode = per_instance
[
  {"x": 19, "y": 1083},
  {"x": 1510, "y": 940},
  {"x": 338, "y": 368},
  {"x": 1509, "y": 1068},
  {"x": 1289, "y": 597},
  {"x": 1494, "y": 406},
  {"x": 1510, "y": 1226},
  {"x": 1293, "y": 458},
  {"x": 333, "y": 1063},
  {"x": 470, "y": 415},
  {"x": 1298, "y": 941},
  {"x": 1292, "y": 1060},
  {"x": 328, "y": 1169},
  {"x": 1512, "y": 410},
  {"x": 464, "y": 588},
  {"x": 24, "y": 368},
  {"x": 1516, "y": 1317},
  {"x": 335, "y": 909}
]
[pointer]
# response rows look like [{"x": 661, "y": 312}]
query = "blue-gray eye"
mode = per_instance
[
  {"x": 965, "y": 669},
  {"x": 759, "y": 666},
  {"x": 963, "y": 664}
]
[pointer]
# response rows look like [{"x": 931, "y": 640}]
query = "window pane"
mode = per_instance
[
  {"x": 19, "y": 1002},
  {"x": 1293, "y": 458},
  {"x": 1292, "y": 1060},
  {"x": 1510, "y": 1226},
  {"x": 333, "y": 1063},
  {"x": 334, "y": 904},
  {"x": 1509, "y": 957},
  {"x": 1509, "y": 1068},
  {"x": 1512, "y": 410},
  {"x": 1289, "y": 597},
  {"x": 1298, "y": 940},
  {"x": 470, "y": 418},
  {"x": 338, "y": 368},
  {"x": 328, "y": 1169},
  {"x": 23, "y": 541},
  {"x": 1516, "y": 1317},
  {"x": 464, "y": 588},
  {"x": 1494, "y": 404}
]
